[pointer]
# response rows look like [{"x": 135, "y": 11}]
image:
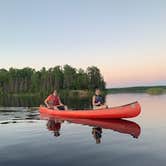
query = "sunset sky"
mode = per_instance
[{"x": 126, "y": 39}]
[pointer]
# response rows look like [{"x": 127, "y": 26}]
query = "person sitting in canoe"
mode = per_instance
[
  {"x": 53, "y": 101},
  {"x": 98, "y": 100}
]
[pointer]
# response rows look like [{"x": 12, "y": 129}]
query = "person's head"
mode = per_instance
[
  {"x": 97, "y": 91},
  {"x": 55, "y": 93}
]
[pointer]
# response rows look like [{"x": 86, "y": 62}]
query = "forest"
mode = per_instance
[{"x": 29, "y": 80}]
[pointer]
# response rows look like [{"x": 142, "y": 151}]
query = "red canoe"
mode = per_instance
[
  {"x": 119, "y": 125},
  {"x": 125, "y": 111}
]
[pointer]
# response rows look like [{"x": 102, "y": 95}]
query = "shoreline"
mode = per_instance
[{"x": 152, "y": 90}]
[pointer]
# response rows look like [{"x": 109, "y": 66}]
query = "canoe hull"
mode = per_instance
[{"x": 126, "y": 111}]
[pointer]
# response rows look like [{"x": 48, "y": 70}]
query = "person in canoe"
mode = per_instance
[
  {"x": 53, "y": 101},
  {"x": 98, "y": 100}
]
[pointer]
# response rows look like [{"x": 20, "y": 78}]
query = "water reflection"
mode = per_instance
[
  {"x": 73, "y": 102},
  {"x": 55, "y": 126},
  {"x": 97, "y": 134},
  {"x": 18, "y": 115},
  {"x": 76, "y": 144},
  {"x": 119, "y": 125}
]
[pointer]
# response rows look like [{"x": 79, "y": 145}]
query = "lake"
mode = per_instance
[{"x": 25, "y": 139}]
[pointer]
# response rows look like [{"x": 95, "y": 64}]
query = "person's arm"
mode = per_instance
[
  {"x": 93, "y": 101},
  {"x": 45, "y": 101}
]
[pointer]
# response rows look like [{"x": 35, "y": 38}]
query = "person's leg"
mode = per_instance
[
  {"x": 100, "y": 107},
  {"x": 97, "y": 107},
  {"x": 61, "y": 107},
  {"x": 50, "y": 106},
  {"x": 56, "y": 108},
  {"x": 104, "y": 106},
  {"x": 65, "y": 106}
]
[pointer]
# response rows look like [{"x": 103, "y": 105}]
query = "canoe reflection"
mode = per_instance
[{"x": 118, "y": 125}]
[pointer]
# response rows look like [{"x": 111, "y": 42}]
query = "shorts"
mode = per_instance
[{"x": 61, "y": 107}]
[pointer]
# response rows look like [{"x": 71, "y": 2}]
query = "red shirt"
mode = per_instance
[{"x": 54, "y": 100}]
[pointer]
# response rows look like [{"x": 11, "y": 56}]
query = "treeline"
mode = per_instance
[
  {"x": 139, "y": 89},
  {"x": 28, "y": 80}
]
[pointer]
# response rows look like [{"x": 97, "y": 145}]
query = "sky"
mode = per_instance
[{"x": 124, "y": 38}]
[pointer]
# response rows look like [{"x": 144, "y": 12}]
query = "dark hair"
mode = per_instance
[{"x": 97, "y": 89}]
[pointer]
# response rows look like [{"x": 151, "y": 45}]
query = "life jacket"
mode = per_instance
[
  {"x": 53, "y": 100},
  {"x": 99, "y": 98}
]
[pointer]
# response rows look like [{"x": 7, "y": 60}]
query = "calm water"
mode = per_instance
[{"x": 27, "y": 140}]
